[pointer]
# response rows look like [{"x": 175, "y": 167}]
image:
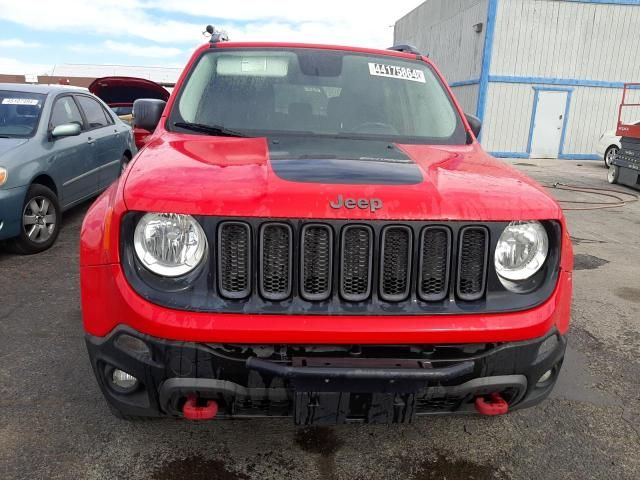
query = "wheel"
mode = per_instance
[
  {"x": 124, "y": 163},
  {"x": 613, "y": 174},
  {"x": 610, "y": 154},
  {"x": 41, "y": 218}
]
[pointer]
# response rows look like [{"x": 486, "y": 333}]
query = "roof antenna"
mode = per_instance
[{"x": 215, "y": 35}]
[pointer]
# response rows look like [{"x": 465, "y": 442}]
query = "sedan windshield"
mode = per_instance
[
  {"x": 317, "y": 92},
  {"x": 19, "y": 113}
]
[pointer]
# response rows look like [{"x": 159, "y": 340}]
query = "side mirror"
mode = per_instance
[
  {"x": 66, "y": 130},
  {"x": 147, "y": 113},
  {"x": 475, "y": 123}
]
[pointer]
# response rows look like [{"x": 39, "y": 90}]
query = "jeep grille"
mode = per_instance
[{"x": 353, "y": 260}]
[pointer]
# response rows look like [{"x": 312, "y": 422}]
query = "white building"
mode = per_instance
[{"x": 545, "y": 76}]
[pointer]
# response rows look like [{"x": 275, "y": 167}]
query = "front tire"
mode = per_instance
[
  {"x": 614, "y": 174},
  {"x": 40, "y": 224},
  {"x": 610, "y": 154}
]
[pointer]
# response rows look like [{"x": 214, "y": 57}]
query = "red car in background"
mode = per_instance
[
  {"x": 119, "y": 93},
  {"x": 314, "y": 231}
]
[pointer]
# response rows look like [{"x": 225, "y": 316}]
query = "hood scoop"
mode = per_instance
[{"x": 342, "y": 161}]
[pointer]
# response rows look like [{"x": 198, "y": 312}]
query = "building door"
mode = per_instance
[{"x": 548, "y": 122}]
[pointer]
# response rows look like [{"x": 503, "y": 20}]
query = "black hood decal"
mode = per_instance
[{"x": 341, "y": 161}]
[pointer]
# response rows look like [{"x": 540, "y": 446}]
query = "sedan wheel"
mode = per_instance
[
  {"x": 610, "y": 154},
  {"x": 41, "y": 218}
]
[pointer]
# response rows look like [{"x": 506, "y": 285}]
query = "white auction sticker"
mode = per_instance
[
  {"x": 392, "y": 71},
  {"x": 20, "y": 101}
]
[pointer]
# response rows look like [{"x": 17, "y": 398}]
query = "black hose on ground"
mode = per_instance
[{"x": 605, "y": 192}]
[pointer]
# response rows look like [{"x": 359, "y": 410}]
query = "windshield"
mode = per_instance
[
  {"x": 318, "y": 92},
  {"x": 19, "y": 113}
]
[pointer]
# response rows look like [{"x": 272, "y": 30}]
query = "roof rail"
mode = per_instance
[{"x": 406, "y": 49}]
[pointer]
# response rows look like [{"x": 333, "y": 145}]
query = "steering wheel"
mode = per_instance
[{"x": 375, "y": 127}]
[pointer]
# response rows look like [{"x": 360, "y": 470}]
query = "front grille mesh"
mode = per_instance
[
  {"x": 355, "y": 283},
  {"x": 435, "y": 246},
  {"x": 234, "y": 260},
  {"x": 317, "y": 256},
  {"x": 396, "y": 264},
  {"x": 472, "y": 263},
  {"x": 276, "y": 256},
  {"x": 405, "y": 262}
]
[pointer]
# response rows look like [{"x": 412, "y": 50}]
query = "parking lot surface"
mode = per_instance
[{"x": 54, "y": 423}]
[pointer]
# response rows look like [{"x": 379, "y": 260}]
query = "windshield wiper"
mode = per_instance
[{"x": 210, "y": 129}]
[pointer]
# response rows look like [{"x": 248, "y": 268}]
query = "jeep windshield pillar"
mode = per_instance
[{"x": 314, "y": 231}]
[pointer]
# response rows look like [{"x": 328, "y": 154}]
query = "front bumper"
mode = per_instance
[
  {"x": 323, "y": 384},
  {"x": 11, "y": 201}
]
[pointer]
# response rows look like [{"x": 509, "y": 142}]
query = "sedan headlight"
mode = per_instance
[
  {"x": 170, "y": 244},
  {"x": 521, "y": 250},
  {"x": 3, "y": 176}
]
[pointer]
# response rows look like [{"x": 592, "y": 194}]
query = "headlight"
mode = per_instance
[
  {"x": 3, "y": 176},
  {"x": 169, "y": 244},
  {"x": 521, "y": 250}
]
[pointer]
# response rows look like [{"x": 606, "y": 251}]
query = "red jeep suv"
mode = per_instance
[{"x": 314, "y": 231}]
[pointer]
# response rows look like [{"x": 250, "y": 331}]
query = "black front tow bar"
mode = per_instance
[{"x": 358, "y": 373}]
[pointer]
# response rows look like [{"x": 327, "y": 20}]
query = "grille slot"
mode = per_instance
[
  {"x": 276, "y": 247},
  {"x": 355, "y": 263},
  {"x": 234, "y": 260},
  {"x": 395, "y": 268},
  {"x": 472, "y": 263},
  {"x": 316, "y": 262},
  {"x": 435, "y": 254}
]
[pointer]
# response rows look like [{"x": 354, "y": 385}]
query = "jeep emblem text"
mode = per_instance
[{"x": 373, "y": 204}]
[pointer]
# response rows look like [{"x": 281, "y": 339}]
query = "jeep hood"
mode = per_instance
[{"x": 257, "y": 177}]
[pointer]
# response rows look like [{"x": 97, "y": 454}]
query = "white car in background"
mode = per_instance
[{"x": 608, "y": 145}]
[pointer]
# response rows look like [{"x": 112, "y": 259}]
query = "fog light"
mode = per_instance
[
  {"x": 545, "y": 376},
  {"x": 123, "y": 380}
]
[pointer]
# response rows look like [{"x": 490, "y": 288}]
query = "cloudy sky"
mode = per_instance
[{"x": 35, "y": 34}]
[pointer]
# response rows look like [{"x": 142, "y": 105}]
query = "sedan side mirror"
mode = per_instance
[
  {"x": 66, "y": 130},
  {"x": 475, "y": 123},
  {"x": 147, "y": 113}
]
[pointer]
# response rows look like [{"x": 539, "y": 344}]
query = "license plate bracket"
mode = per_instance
[{"x": 332, "y": 408}]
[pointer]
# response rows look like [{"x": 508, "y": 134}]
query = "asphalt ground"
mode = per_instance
[{"x": 54, "y": 423}]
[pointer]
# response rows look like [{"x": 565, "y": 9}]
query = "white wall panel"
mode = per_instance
[
  {"x": 444, "y": 30},
  {"x": 592, "y": 111},
  {"x": 507, "y": 117},
  {"x": 556, "y": 38},
  {"x": 467, "y": 96}
]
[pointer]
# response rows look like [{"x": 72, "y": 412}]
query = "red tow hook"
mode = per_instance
[
  {"x": 494, "y": 405},
  {"x": 192, "y": 411}
]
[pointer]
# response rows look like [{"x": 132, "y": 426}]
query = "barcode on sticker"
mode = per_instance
[
  {"x": 392, "y": 71},
  {"x": 19, "y": 101}
]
